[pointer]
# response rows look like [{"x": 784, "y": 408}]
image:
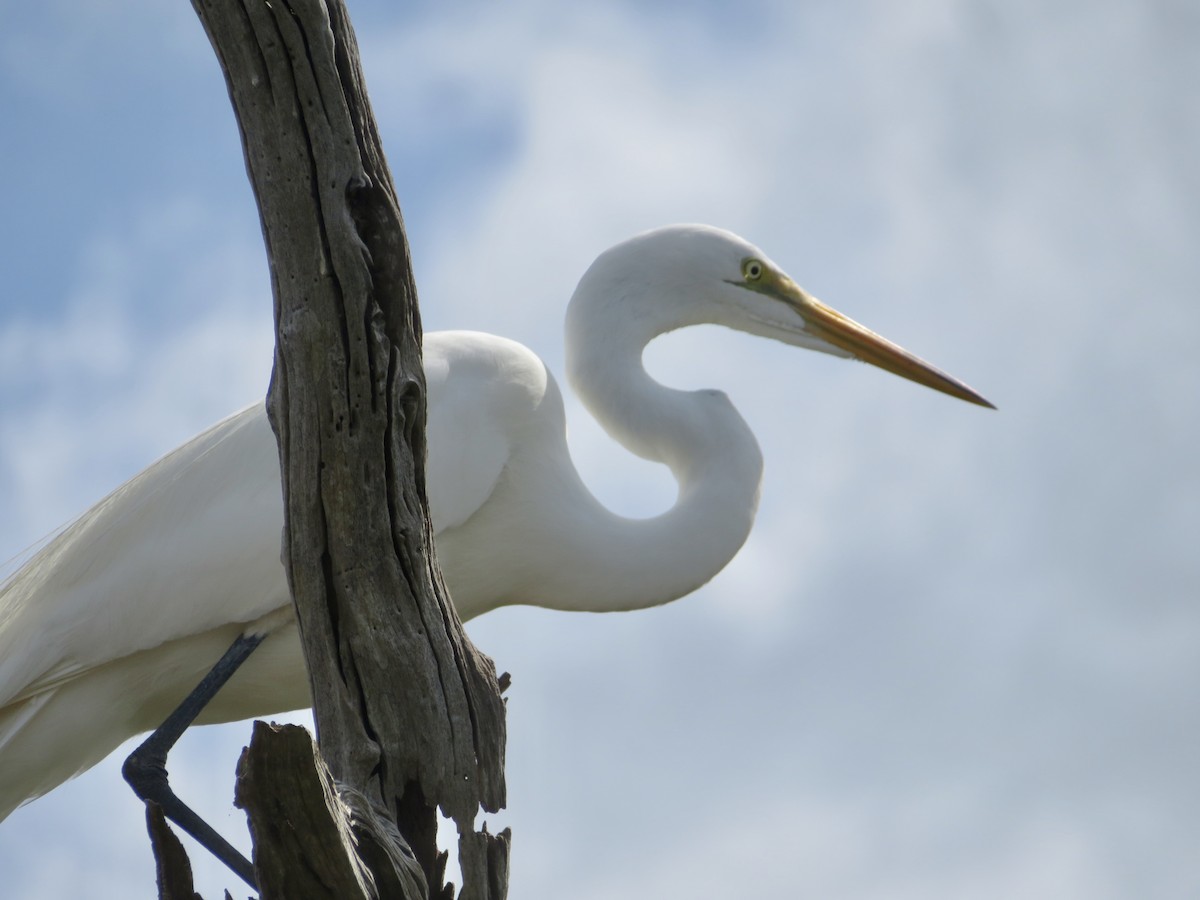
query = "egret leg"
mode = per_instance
[{"x": 146, "y": 767}]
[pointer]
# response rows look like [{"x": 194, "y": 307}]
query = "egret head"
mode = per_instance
[{"x": 695, "y": 273}]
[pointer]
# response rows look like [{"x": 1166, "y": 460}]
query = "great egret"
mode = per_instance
[{"x": 108, "y": 627}]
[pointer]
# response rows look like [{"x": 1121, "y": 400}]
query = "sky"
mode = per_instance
[{"x": 957, "y": 657}]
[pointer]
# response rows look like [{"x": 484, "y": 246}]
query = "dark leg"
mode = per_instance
[{"x": 146, "y": 767}]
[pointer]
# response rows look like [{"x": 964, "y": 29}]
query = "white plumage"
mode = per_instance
[{"x": 106, "y": 629}]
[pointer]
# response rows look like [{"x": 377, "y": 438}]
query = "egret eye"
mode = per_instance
[{"x": 752, "y": 270}]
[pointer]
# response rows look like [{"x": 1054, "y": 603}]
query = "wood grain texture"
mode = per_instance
[
  {"x": 173, "y": 869},
  {"x": 310, "y": 842},
  {"x": 409, "y": 714}
]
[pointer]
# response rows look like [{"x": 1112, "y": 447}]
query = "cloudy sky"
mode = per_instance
[{"x": 958, "y": 656}]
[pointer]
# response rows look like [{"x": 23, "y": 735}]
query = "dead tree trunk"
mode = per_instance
[{"x": 409, "y": 715}]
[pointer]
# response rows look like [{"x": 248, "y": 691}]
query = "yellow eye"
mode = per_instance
[{"x": 752, "y": 270}]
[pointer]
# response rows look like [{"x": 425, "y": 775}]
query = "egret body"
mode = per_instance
[{"x": 112, "y": 623}]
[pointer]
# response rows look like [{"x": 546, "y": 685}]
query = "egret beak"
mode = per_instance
[{"x": 860, "y": 342}]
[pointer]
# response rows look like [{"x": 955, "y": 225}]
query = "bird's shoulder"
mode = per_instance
[
  {"x": 488, "y": 396},
  {"x": 500, "y": 368}
]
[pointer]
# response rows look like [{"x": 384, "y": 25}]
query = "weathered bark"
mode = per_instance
[
  {"x": 409, "y": 714},
  {"x": 304, "y": 828},
  {"x": 173, "y": 869}
]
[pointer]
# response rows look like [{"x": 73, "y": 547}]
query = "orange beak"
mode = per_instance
[{"x": 860, "y": 342}]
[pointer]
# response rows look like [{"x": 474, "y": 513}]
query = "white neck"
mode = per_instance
[{"x": 610, "y": 562}]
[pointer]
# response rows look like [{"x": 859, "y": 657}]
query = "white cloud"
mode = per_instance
[
  {"x": 168, "y": 329},
  {"x": 939, "y": 606},
  {"x": 840, "y": 848}
]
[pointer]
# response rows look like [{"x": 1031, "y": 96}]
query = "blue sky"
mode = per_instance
[{"x": 957, "y": 656}]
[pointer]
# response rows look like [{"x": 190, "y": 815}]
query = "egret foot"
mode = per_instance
[{"x": 146, "y": 767}]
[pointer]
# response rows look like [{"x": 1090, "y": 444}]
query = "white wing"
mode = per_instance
[
  {"x": 188, "y": 544},
  {"x": 193, "y": 542}
]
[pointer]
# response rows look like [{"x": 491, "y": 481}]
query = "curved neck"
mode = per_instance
[{"x": 611, "y": 562}]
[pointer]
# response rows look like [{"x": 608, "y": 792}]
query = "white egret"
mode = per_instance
[{"x": 108, "y": 627}]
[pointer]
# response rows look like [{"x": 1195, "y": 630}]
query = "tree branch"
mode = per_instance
[
  {"x": 173, "y": 869},
  {"x": 408, "y": 713},
  {"x": 308, "y": 837}
]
